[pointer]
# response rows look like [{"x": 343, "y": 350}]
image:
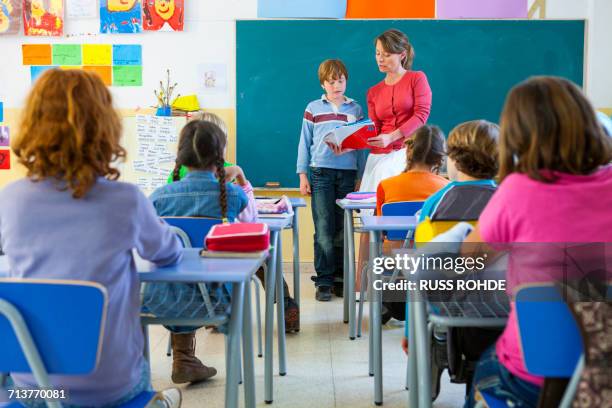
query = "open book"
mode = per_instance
[{"x": 352, "y": 136}]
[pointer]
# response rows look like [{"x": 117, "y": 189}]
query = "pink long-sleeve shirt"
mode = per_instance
[{"x": 404, "y": 105}]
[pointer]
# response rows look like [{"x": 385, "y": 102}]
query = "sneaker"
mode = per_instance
[
  {"x": 323, "y": 294},
  {"x": 338, "y": 289},
  {"x": 170, "y": 398},
  {"x": 292, "y": 316}
]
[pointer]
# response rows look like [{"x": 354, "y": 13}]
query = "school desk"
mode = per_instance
[
  {"x": 375, "y": 226},
  {"x": 195, "y": 269},
  {"x": 274, "y": 279},
  {"x": 349, "y": 259}
]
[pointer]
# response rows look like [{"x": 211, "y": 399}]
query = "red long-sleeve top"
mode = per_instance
[{"x": 404, "y": 105}]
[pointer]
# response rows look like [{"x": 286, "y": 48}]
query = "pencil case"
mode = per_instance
[{"x": 238, "y": 237}]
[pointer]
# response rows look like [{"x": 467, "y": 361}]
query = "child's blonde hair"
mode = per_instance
[{"x": 473, "y": 147}]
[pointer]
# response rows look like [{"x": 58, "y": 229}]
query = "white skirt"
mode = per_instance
[{"x": 382, "y": 166}]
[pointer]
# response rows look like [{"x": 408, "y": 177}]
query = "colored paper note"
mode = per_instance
[
  {"x": 120, "y": 16},
  {"x": 97, "y": 54},
  {"x": 10, "y": 16},
  {"x": 165, "y": 15},
  {"x": 482, "y": 9},
  {"x": 301, "y": 8},
  {"x": 391, "y": 9},
  {"x": 4, "y": 136},
  {"x": 36, "y": 54},
  {"x": 127, "y": 75},
  {"x": 1, "y": 111},
  {"x": 5, "y": 159},
  {"x": 105, "y": 72},
  {"x": 66, "y": 54},
  {"x": 43, "y": 17},
  {"x": 37, "y": 70},
  {"x": 81, "y": 8},
  {"x": 127, "y": 54}
]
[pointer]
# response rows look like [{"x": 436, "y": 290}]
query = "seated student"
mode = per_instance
[
  {"x": 420, "y": 179},
  {"x": 201, "y": 194},
  {"x": 472, "y": 164},
  {"x": 554, "y": 167},
  {"x": 70, "y": 219}
]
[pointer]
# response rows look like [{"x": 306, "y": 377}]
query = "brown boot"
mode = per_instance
[{"x": 186, "y": 367}]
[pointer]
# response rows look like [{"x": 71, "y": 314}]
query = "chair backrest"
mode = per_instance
[
  {"x": 65, "y": 320},
  {"x": 550, "y": 338},
  {"x": 194, "y": 228},
  {"x": 428, "y": 229},
  {"x": 463, "y": 202},
  {"x": 400, "y": 208}
]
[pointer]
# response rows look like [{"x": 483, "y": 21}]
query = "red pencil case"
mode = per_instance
[{"x": 238, "y": 237}]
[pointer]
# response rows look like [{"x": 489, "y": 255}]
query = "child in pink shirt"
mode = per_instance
[{"x": 556, "y": 187}]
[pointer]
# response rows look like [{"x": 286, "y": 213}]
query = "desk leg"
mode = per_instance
[
  {"x": 296, "y": 257},
  {"x": 350, "y": 234},
  {"x": 375, "y": 321},
  {"x": 270, "y": 288},
  {"x": 233, "y": 351},
  {"x": 345, "y": 282},
  {"x": 423, "y": 350},
  {"x": 413, "y": 396},
  {"x": 280, "y": 308},
  {"x": 247, "y": 351}
]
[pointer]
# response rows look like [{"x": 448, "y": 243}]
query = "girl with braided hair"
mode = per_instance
[{"x": 205, "y": 190}]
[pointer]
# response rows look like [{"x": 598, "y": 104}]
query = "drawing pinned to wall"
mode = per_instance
[
  {"x": 81, "y": 8},
  {"x": 43, "y": 17},
  {"x": 482, "y": 9},
  {"x": 5, "y": 159},
  {"x": 1, "y": 111},
  {"x": 164, "y": 15},
  {"x": 391, "y": 9},
  {"x": 4, "y": 136},
  {"x": 301, "y": 8},
  {"x": 120, "y": 16},
  {"x": 212, "y": 77},
  {"x": 10, "y": 16}
]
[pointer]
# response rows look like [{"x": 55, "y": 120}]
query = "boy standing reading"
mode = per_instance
[{"x": 332, "y": 176}]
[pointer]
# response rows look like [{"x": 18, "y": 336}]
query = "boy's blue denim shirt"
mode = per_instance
[{"x": 197, "y": 195}]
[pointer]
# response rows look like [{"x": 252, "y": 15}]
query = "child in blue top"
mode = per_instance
[
  {"x": 331, "y": 176},
  {"x": 205, "y": 191}
]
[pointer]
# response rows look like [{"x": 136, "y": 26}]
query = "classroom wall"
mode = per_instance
[{"x": 209, "y": 37}]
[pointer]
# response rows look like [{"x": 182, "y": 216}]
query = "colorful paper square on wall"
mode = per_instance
[
  {"x": 127, "y": 75},
  {"x": 43, "y": 17},
  {"x": 301, "y": 8},
  {"x": 120, "y": 16},
  {"x": 165, "y": 15},
  {"x": 482, "y": 9},
  {"x": 391, "y": 9},
  {"x": 67, "y": 54},
  {"x": 37, "y": 70},
  {"x": 36, "y": 54},
  {"x": 5, "y": 159},
  {"x": 105, "y": 72},
  {"x": 10, "y": 16},
  {"x": 97, "y": 54},
  {"x": 5, "y": 139},
  {"x": 129, "y": 54}
]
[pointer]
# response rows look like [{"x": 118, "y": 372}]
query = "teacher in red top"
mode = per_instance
[{"x": 398, "y": 105}]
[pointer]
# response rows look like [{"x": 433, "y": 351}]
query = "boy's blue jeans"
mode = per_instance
[
  {"x": 493, "y": 378},
  {"x": 328, "y": 185}
]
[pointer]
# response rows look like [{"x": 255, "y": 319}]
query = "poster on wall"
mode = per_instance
[
  {"x": 301, "y": 8},
  {"x": 4, "y": 136},
  {"x": 5, "y": 159},
  {"x": 482, "y": 9},
  {"x": 120, "y": 16},
  {"x": 81, "y": 8},
  {"x": 163, "y": 15},
  {"x": 10, "y": 16},
  {"x": 391, "y": 9},
  {"x": 43, "y": 17}
]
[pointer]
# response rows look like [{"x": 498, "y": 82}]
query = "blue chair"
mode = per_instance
[
  {"x": 37, "y": 320},
  {"x": 550, "y": 338},
  {"x": 192, "y": 231}
]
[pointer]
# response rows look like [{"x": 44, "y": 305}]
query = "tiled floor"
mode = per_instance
[{"x": 325, "y": 368}]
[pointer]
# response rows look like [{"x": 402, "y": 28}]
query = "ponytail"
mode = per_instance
[
  {"x": 222, "y": 188},
  {"x": 176, "y": 173},
  {"x": 425, "y": 146}
]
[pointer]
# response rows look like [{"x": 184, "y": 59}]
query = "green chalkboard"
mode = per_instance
[{"x": 470, "y": 64}]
